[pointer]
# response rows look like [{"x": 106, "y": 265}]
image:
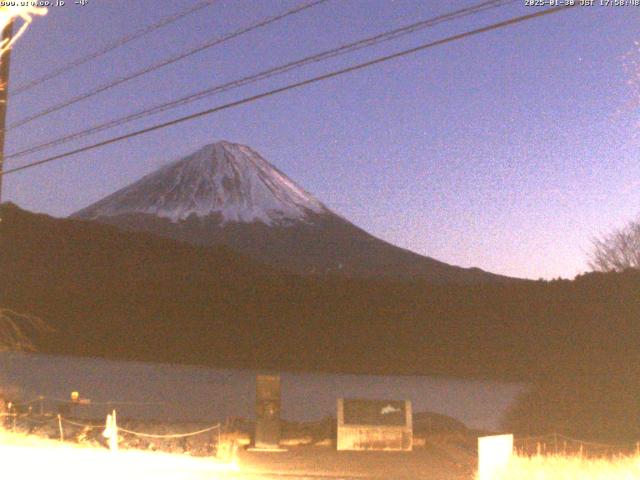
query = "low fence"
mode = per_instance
[
  {"x": 41, "y": 415},
  {"x": 209, "y": 440},
  {"x": 83, "y": 408}
]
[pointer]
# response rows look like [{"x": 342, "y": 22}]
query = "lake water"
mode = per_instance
[{"x": 191, "y": 393}]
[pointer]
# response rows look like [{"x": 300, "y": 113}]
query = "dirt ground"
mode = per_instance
[{"x": 433, "y": 462}]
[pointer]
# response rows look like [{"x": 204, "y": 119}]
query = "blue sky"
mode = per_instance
[{"x": 507, "y": 151}]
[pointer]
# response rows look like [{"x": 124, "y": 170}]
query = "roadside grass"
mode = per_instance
[
  {"x": 564, "y": 467},
  {"x": 33, "y": 458}
]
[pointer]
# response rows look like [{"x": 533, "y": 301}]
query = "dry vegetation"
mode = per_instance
[
  {"x": 556, "y": 467},
  {"x": 17, "y": 330},
  {"x": 30, "y": 457}
]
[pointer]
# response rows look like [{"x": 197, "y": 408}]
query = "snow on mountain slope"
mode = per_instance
[
  {"x": 225, "y": 179},
  {"x": 227, "y": 194}
]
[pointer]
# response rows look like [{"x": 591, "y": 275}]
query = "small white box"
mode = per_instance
[{"x": 494, "y": 453}]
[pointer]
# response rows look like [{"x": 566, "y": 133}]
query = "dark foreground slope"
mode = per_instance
[{"x": 136, "y": 296}]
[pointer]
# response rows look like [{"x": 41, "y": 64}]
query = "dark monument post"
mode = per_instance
[{"x": 267, "y": 412}]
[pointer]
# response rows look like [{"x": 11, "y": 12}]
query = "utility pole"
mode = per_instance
[
  {"x": 5, "y": 60},
  {"x": 4, "y": 94}
]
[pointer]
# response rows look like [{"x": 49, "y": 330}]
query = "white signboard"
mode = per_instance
[{"x": 494, "y": 453}]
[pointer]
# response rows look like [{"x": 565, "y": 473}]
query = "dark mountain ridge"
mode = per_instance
[{"x": 132, "y": 295}]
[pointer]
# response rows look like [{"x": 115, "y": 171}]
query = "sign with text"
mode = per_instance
[
  {"x": 374, "y": 412},
  {"x": 374, "y": 425}
]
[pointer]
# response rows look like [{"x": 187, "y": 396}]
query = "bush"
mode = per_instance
[{"x": 601, "y": 404}]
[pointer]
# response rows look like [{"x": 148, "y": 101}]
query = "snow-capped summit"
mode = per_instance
[
  {"x": 224, "y": 179},
  {"x": 227, "y": 194}
]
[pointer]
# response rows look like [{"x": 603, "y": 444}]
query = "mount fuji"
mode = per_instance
[
  {"x": 227, "y": 194},
  {"x": 223, "y": 180}
]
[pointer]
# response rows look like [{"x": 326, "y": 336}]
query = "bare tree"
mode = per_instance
[
  {"x": 16, "y": 333},
  {"x": 17, "y": 330},
  {"x": 617, "y": 251}
]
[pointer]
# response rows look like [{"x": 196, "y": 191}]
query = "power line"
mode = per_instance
[
  {"x": 344, "y": 49},
  {"x": 164, "y": 63},
  {"x": 112, "y": 46},
  {"x": 326, "y": 76}
]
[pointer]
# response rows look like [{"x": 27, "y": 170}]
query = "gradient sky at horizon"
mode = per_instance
[{"x": 508, "y": 151}]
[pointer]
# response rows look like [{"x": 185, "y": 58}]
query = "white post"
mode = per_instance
[
  {"x": 111, "y": 431},
  {"x": 113, "y": 441},
  {"x": 494, "y": 453},
  {"x": 60, "y": 427}
]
